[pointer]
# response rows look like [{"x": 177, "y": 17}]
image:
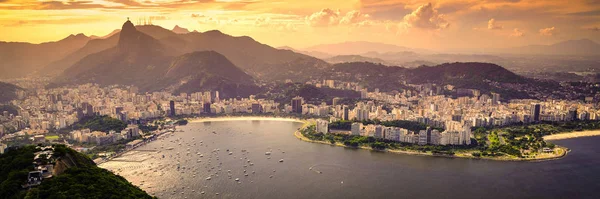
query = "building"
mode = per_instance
[
  {"x": 346, "y": 113},
  {"x": 335, "y": 101},
  {"x": 536, "y": 112},
  {"x": 495, "y": 98},
  {"x": 356, "y": 128},
  {"x": 322, "y": 126},
  {"x": 172, "y": 108},
  {"x": 379, "y": 132},
  {"x": 257, "y": 108},
  {"x": 297, "y": 105},
  {"x": 206, "y": 108}
]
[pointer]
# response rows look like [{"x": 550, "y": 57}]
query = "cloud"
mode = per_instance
[
  {"x": 354, "y": 17},
  {"x": 329, "y": 17},
  {"x": 548, "y": 31},
  {"x": 492, "y": 25},
  {"x": 268, "y": 22},
  {"x": 158, "y": 18},
  {"x": 127, "y": 2},
  {"x": 262, "y": 21},
  {"x": 517, "y": 33},
  {"x": 324, "y": 17},
  {"x": 426, "y": 17},
  {"x": 59, "y": 5}
]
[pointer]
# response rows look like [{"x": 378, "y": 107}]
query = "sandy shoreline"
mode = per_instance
[
  {"x": 576, "y": 134},
  {"x": 233, "y": 118}
]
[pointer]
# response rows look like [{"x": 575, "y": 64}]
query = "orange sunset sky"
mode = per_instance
[{"x": 444, "y": 24}]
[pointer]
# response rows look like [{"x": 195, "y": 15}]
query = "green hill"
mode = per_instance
[
  {"x": 75, "y": 176},
  {"x": 8, "y": 92}
]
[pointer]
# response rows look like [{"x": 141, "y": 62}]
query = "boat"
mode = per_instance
[
  {"x": 208, "y": 178},
  {"x": 237, "y": 179},
  {"x": 268, "y": 153},
  {"x": 281, "y": 160}
]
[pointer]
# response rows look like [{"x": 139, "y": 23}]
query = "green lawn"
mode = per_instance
[{"x": 52, "y": 137}]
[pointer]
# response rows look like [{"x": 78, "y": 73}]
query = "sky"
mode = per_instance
[{"x": 436, "y": 25}]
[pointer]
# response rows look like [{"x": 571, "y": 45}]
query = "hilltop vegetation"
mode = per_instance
[
  {"x": 8, "y": 92},
  {"x": 283, "y": 93},
  {"x": 76, "y": 176},
  {"x": 102, "y": 123}
]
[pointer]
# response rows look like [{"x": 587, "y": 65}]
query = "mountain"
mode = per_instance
[
  {"x": 180, "y": 30},
  {"x": 569, "y": 47},
  {"x": 208, "y": 70},
  {"x": 471, "y": 75},
  {"x": 354, "y": 58},
  {"x": 8, "y": 92},
  {"x": 21, "y": 59},
  {"x": 97, "y": 45},
  {"x": 152, "y": 64},
  {"x": 451, "y": 73},
  {"x": 320, "y": 55},
  {"x": 114, "y": 32},
  {"x": 358, "y": 48},
  {"x": 259, "y": 60}
]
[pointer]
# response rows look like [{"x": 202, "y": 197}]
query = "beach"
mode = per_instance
[
  {"x": 234, "y": 118},
  {"x": 569, "y": 135}
]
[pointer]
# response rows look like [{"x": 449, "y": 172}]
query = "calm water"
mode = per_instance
[{"x": 345, "y": 173}]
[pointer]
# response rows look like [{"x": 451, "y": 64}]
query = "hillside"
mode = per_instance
[
  {"x": 356, "y": 48},
  {"x": 208, "y": 70},
  {"x": 75, "y": 176},
  {"x": 354, "y": 58},
  {"x": 283, "y": 93},
  {"x": 8, "y": 92},
  {"x": 21, "y": 59},
  {"x": 569, "y": 47},
  {"x": 135, "y": 60},
  {"x": 483, "y": 76},
  {"x": 453, "y": 72},
  {"x": 141, "y": 60}
]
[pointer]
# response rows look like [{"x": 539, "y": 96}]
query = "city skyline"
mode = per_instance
[{"x": 436, "y": 25}]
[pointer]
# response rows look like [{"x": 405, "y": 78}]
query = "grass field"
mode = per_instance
[{"x": 52, "y": 137}]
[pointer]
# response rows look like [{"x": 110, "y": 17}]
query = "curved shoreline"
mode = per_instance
[
  {"x": 244, "y": 118},
  {"x": 563, "y": 151},
  {"x": 571, "y": 135}
]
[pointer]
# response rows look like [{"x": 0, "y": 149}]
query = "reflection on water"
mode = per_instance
[{"x": 229, "y": 158}]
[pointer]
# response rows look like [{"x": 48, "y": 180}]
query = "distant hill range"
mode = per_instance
[
  {"x": 570, "y": 47},
  {"x": 144, "y": 61},
  {"x": 20, "y": 59},
  {"x": 354, "y": 58},
  {"x": 359, "y": 47},
  {"x": 8, "y": 92},
  {"x": 483, "y": 76}
]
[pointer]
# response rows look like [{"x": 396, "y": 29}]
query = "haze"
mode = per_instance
[{"x": 434, "y": 25}]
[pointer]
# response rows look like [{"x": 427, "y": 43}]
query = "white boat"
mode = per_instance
[
  {"x": 208, "y": 178},
  {"x": 281, "y": 160},
  {"x": 268, "y": 153},
  {"x": 237, "y": 179}
]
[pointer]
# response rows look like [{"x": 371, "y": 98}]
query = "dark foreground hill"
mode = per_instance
[{"x": 75, "y": 176}]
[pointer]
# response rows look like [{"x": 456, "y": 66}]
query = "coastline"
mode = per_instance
[
  {"x": 570, "y": 135},
  {"x": 562, "y": 152},
  {"x": 243, "y": 118}
]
